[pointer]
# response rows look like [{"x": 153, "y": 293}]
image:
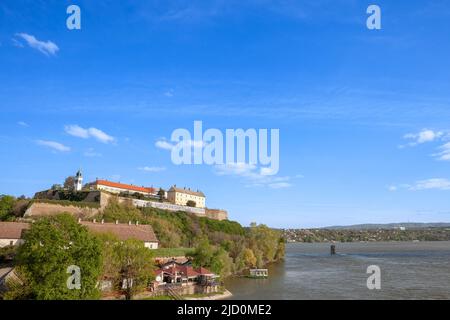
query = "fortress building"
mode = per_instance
[
  {"x": 181, "y": 196},
  {"x": 116, "y": 187},
  {"x": 87, "y": 201}
]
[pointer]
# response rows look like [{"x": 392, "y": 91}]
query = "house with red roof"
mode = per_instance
[
  {"x": 11, "y": 233},
  {"x": 117, "y": 188},
  {"x": 184, "y": 274}
]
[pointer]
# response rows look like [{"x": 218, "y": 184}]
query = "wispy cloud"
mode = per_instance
[
  {"x": 23, "y": 124},
  {"x": 426, "y": 135},
  {"x": 164, "y": 144},
  {"x": 444, "y": 152},
  {"x": 253, "y": 175},
  {"x": 77, "y": 131},
  {"x": 436, "y": 183},
  {"x": 169, "y": 93},
  {"x": 429, "y": 136},
  {"x": 48, "y": 48},
  {"x": 152, "y": 169},
  {"x": 427, "y": 184},
  {"x": 53, "y": 145}
]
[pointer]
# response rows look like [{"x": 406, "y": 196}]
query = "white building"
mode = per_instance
[
  {"x": 117, "y": 187},
  {"x": 182, "y": 196},
  {"x": 11, "y": 233}
]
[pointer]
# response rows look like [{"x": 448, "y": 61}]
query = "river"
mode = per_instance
[{"x": 409, "y": 270}]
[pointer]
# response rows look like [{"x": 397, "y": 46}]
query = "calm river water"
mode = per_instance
[{"x": 408, "y": 271}]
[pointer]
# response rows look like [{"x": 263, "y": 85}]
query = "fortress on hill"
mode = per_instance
[{"x": 88, "y": 199}]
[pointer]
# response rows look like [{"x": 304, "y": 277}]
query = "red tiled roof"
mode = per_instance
[
  {"x": 124, "y": 186},
  {"x": 142, "y": 232},
  {"x": 202, "y": 270},
  {"x": 186, "y": 271},
  {"x": 12, "y": 230}
]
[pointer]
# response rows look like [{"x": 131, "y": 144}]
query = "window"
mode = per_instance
[{"x": 11, "y": 243}]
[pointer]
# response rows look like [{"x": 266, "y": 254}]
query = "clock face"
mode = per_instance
[{"x": 158, "y": 278}]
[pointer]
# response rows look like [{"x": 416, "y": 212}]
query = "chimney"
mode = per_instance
[
  {"x": 137, "y": 223},
  {"x": 94, "y": 221},
  {"x": 129, "y": 223},
  {"x": 79, "y": 220},
  {"x": 103, "y": 221},
  {"x": 117, "y": 221}
]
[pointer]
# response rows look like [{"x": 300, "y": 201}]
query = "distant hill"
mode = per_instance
[{"x": 407, "y": 225}]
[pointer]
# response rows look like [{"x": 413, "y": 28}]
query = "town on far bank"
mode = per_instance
[{"x": 110, "y": 240}]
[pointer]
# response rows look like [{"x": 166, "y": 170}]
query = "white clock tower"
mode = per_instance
[{"x": 78, "y": 181}]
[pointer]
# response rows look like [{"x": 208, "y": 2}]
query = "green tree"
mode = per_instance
[
  {"x": 248, "y": 257},
  {"x": 69, "y": 183},
  {"x": 161, "y": 194},
  {"x": 52, "y": 245},
  {"x": 123, "y": 212},
  {"x": 131, "y": 266},
  {"x": 222, "y": 263},
  {"x": 191, "y": 203},
  {"x": 6, "y": 207},
  {"x": 203, "y": 254}
]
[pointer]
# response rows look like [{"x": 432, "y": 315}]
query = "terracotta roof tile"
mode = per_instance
[
  {"x": 142, "y": 232},
  {"x": 12, "y": 230},
  {"x": 124, "y": 186}
]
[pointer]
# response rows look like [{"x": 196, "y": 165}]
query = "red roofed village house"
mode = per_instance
[
  {"x": 123, "y": 232},
  {"x": 185, "y": 279},
  {"x": 11, "y": 233}
]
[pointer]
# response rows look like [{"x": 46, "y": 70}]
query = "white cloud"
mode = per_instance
[
  {"x": 423, "y": 136},
  {"x": 427, "y": 184},
  {"x": 166, "y": 145},
  {"x": 100, "y": 135},
  {"x": 163, "y": 144},
  {"x": 253, "y": 176},
  {"x": 444, "y": 154},
  {"x": 22, "y": 124},
  {"x": 169, "y": 93},
  {"x": 77, "y": 131},
  {"x": 435, "y": 183},
  {"x": 152, "y": 169},
  {"x": 53, "y": 145},
  {"x": 46, "y": 47},
  {"x": 239, "y": 168}
]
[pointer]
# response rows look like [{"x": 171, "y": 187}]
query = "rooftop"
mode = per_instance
[
  {"x": 187, "y": 191},
  {"x": 12, "y": 230},
  {"x": 123, "y": 231},
  {"x": 124, "y": 186}
]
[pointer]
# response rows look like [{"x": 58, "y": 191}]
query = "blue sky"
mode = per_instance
[{"x": 363, "y": 114}]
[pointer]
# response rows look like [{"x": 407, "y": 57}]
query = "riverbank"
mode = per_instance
[
  {"x": 372, "y": 235},
  {"x": 220, "y": 296},
  {"x": 409, "y": 270}
]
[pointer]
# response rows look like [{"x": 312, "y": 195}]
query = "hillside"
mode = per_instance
[{"x": 224, "y": 246}]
